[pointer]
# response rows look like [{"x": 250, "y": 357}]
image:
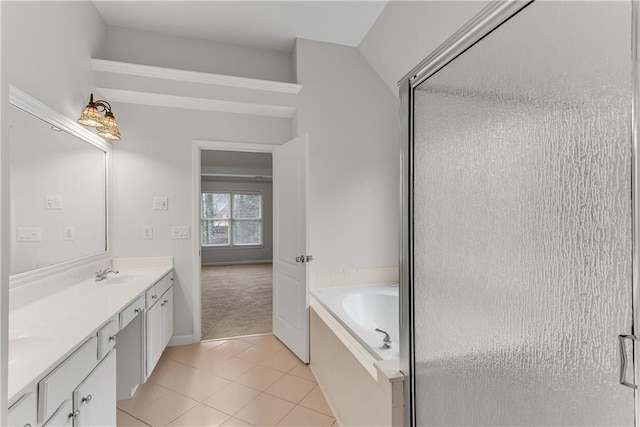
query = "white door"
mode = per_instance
[{"x": 290, "y": 289}]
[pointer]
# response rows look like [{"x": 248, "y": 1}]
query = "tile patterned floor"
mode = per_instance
[{"x": 244, "y": 381}]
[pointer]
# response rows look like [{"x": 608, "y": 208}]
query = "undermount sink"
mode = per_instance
[
  {"x": 25, "y": 348},
  {"x": 117, "y": 278}
]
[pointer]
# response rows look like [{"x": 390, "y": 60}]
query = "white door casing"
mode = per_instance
[{"x": 290, "y": 284}]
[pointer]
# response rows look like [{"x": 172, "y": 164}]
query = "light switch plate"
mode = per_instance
[
  {"x": 29, "y": 234},
  {"x": 180, "y": 232},
  {"x": 160, "y": 203},
  {"x": 147, "y": 232},
  {"x": 53, "y": 202},
  {"x": 69, "y": 234}
]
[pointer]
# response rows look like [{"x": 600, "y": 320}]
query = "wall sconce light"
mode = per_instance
[{"x": 106, "y": 126}]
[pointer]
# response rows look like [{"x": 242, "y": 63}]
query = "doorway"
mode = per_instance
[
  {"x": 290, "y": 275},
  {"x": 236, "y": 236}
]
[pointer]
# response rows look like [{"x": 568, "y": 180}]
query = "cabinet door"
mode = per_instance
[
  {"x": 95, "y": 399},
  {"x": 154, "y": 336},
  {"x": 167, "y": 317},
  {"x": 63, "y": 417},
  {"x": 23, "y": 412}
]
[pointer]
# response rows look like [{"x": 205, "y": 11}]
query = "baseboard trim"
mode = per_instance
[
  {"x": 181, "y": 340},
  {"x": 214, "y": 264}
]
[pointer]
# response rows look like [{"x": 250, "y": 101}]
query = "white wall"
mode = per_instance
[
  {"x": 45, "y": 46},
  {"x": 408, "y": 31},
  {"x": 211, "y": 255},
  {"x": 156, "y": 160},
  {"x": 46, "y": 49},
  {"x": 352, "y": 121},
  {"x": 143, "y": 47}
]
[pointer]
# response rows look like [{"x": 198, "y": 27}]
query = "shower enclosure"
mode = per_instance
[{"x": 520, "y": 255}]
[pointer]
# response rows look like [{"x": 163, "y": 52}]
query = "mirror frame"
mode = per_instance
[{"x": 32, "y": 106}]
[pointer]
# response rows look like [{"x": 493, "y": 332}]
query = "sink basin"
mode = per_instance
[
  {"x": 25, "y": 348},
  {"x": 118, "y": 278}
]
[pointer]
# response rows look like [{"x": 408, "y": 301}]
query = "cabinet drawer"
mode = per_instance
[
  {"x": 163, "y": 284},
  {"x": 24, "y": 412},
  {"x": 56, "y": 387},
  {"x": 63, "y": 417},
  {"x": 107, "y": 338},
  {"x": 159, "y": 288},
  {"x": 132, "y": 310},
  {"x": 151, "y": 296}
]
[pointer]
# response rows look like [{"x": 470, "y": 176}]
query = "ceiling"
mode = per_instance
[{"x": 260, "y": 24}]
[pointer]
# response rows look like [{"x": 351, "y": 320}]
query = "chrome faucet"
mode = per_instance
[
  {"x": 386, "y": 341},
  {"x": 102, "y": 274}
]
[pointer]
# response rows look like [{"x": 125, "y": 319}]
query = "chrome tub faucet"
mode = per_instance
[{"x": 386, "y": 341}]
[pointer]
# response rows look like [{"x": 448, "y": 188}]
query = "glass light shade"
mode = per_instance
[
  {"x": 109, "y": 128},
  {"x": 90, "y": 116},
  {"x": 109, "y": 133}
]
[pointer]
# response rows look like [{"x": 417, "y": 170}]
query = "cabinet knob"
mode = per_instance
[
  {"x": 75, "y": 414},
  {"x": 113, "y": 338},
  {"x": 27, "y": 425},
  {"x": 154, "y": 296},
  {"x": 137, "y": 310},
  {"x": 87, "y": 399}
]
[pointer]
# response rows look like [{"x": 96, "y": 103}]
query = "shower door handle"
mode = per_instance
[{"x": 624, "y": 360}]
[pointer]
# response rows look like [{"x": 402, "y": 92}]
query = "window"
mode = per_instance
[{"x": 231, "y": 219}]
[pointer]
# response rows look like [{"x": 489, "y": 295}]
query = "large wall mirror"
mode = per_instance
[{"x": 59, "y": 189}]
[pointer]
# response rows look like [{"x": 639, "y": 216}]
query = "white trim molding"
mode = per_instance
[
  {"x": 182, "y": 340},
  {"x": 191, "y": 103},
  {"x": 31, "y": 105},
  {"x": 36, "y": 108},
  {"x": 139, "y": 70}
]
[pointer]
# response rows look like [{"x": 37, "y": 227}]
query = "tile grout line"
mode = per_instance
[
  {"x": 133, "y": 416},
  {"x": 267, "y": 347}
]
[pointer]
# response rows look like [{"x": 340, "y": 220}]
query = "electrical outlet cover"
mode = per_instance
[
  {"x": 52, "y": 202},
  {"x": 160, "y": 203},
  {"x": 69, "y": 234},
  {"x": 147, "y": 232}
]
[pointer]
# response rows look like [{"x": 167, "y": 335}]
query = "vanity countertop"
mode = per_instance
[{"x": 44, "y": 332}]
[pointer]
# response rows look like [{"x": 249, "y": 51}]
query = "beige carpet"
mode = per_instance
[{"x": 236, "y": 300}]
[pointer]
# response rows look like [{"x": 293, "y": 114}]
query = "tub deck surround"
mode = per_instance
[
  {"x": 44, "y": 332},
  {"x": 359, "y": 389}
]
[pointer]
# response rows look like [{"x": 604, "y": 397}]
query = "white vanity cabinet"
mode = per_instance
[
  {"x": 24, "y": 413},
  {"x": 167, "y": 316},
  {"x": 57, "y": 387},
  {"x": 98, "y": 356},
  {"x": 159, "y": 320},
  {"x": 154, "y": 337},
  {"x": 94, "y": 401},
  {"x": 81, "y": 391},
  {"x": 63, "y": 417}
]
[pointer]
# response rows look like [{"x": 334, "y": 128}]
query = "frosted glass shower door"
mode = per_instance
[{"x": 522, "y": 213}]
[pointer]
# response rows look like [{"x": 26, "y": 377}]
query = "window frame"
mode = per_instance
[{"x": 232, "y": 220}]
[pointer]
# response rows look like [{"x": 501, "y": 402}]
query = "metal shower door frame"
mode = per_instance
[{"x": 482, "y": 24}]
